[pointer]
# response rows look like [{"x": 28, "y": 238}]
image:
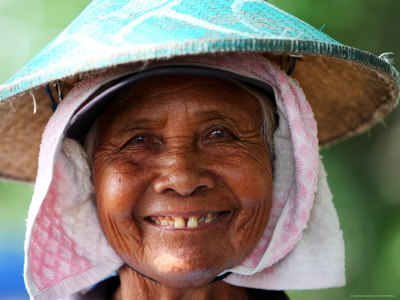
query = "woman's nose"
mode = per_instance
[{"x": 182, "y": 174}]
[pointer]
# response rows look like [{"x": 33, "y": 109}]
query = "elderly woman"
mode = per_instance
[{"x": 181, "y": 160}]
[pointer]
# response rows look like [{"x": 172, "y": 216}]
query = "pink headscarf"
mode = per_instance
[{"x": 302, "y": 245}]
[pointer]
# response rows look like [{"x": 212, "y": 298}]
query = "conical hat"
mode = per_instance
[{"x": 349, "y": 90}]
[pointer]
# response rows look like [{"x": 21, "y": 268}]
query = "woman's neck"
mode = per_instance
[{"x": 135, "y": 286}]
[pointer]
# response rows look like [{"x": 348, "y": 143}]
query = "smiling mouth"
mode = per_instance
[{"x": 191, "y": 222}]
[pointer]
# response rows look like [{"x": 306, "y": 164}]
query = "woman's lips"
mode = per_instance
[{"x": 185, "y": 222}]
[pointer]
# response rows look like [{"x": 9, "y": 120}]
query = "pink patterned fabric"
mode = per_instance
[
  {"x": 301, "y": 247},
  {"x": 56, "y": 263},
  {"x": 53, "y": 253}
]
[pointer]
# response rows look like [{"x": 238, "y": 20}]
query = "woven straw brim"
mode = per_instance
[{"x": 348, "y": 89}]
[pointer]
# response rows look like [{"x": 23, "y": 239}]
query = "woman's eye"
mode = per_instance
[
  {"x": 219, "y": 133},
  {"x": 139, "y": 139},
  {"x": 141, "y": 142},
  {"x": 222, "y": 134}
]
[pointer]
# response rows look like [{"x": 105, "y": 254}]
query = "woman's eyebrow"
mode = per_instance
[
  {"x": 143, "y": 124},
  {"x": 214, "y": 114},
  {"x": 238, "y": 120}
]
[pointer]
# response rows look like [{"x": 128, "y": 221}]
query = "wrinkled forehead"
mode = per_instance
[
  {"x": 160, "y": 83},
  {"x": 198, "y": 94}
]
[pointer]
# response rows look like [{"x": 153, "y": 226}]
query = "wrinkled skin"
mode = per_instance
[{"x": 181, "y": 146}]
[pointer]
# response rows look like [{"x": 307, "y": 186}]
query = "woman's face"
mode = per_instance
[{"x": 182, "y": 177}]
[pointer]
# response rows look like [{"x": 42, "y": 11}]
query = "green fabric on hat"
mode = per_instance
[{"x": 110, "y": 32}]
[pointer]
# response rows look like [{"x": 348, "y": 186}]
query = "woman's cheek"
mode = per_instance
[
  {"x": 120, "y": 187},
  {"x": 247, "y": 173},
  {"x": 250, "y": 180},
  {"x": 111, "y": 192},
  {"x": 117, "y": 192}
]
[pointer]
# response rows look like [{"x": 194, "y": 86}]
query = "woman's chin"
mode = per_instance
[
  {"x": 177, "y": 272},
  {"x": 186, "y": 279}
]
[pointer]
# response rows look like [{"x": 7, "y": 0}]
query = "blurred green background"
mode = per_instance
[{"x": 363, "y": 172}]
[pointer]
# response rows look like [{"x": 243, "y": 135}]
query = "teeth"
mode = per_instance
[
  {"x": 179, "y": 222},
  {"x": 192, "y": 222},
  {"x": 209, "y": 218},
  {"x": 171, "y": 221},
  {"x": 164, "y": 221}
]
